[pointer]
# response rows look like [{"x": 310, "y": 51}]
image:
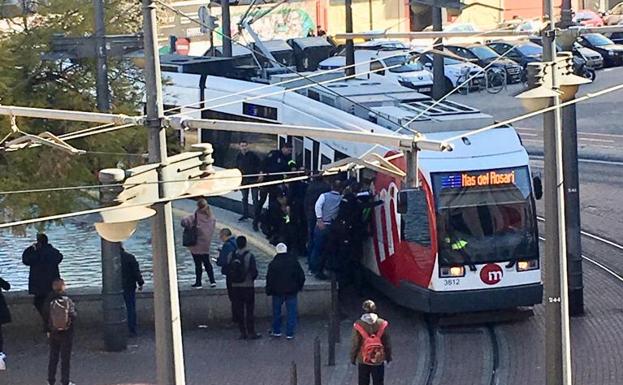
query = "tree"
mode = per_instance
[{"x": 27, "y": 80}]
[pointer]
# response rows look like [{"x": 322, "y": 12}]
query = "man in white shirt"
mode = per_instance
[{"x": 326, "y": 210}]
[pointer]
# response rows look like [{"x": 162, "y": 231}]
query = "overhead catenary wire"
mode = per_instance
[{"x": 129, "y": 185}]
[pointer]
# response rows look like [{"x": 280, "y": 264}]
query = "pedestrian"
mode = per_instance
[
  {"x": 284, "y": 279},
  {"x": 274, "y": 166},
  {"x": 296, "y": 203},
  {"x": 204, "y": 222},
  {"x": 60, "y": 314},
  {"x": 132, "y": 279},
  {"x": 371, "y": 346},
  {"x": 43, "y": 260},
  {"x": 249, "y": 165},
  {"x": 241, "y": 269},
  {"x": 317, "y": 187},
  {"x": 5, "y": 316},
  {"x": 227, "y": 249},
  {"x": 326, "y": 210}
]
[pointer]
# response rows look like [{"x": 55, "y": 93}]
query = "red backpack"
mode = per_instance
[{"x": 372, "y": 349}]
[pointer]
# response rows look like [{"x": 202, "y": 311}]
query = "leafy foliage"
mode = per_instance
[{"x": 28, "y": 80}]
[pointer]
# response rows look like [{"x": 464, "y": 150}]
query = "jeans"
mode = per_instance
[
  {"x": 316, "y": 258},
  {"x": 130, "y": 304},
  {"x": 291, "y": 302},
  {"x": 376, "y": 372},
  {"x": 205, "y": 260},
  {"x": 243, "y": 302},
  {"x": 60, "y": 346},
  {"x": 245, "y": 199}
]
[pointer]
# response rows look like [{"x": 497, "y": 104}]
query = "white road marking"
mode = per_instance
[{"x": 594, "y": 161}]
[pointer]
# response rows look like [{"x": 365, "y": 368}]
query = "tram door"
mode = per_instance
[{"x": 311, "y": 148}]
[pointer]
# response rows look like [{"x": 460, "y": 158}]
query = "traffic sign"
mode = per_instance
[{"x": 182, "y": 46}]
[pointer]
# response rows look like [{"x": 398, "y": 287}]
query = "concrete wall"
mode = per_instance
[{"x": 198, "y": 306}]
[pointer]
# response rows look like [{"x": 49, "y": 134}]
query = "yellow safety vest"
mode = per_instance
[{"x": 458, "y": 245}]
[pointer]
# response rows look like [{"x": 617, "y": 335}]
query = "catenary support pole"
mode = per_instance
[
  {"x": 557, "y": 349},
  {"x": 572, "y": 188},
  {"x": 169, "y": 350},
  {"x": 103, "y": 93},
  {"x": 226, "y": 28},
  {"x": 113, "y": 307},
  {"x": 350, "y": 47},
  {"x": 439, "y": 78}
]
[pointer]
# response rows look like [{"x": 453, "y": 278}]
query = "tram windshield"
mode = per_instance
[{"x": 485, "y": 216}]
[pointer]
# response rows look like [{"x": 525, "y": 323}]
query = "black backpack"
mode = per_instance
[
  {"x": 236, "y": 270},
  {"x": 190, "y": 234}
]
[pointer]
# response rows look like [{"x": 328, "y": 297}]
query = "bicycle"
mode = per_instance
[{"x": 495, "y": 80}]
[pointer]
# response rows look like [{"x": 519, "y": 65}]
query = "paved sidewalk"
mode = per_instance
[{"x": 214, "y": 356}]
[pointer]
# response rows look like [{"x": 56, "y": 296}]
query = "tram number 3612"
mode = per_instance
[{"x": 451, "y": 282}]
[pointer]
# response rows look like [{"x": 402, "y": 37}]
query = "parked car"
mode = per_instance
[
  {"x": 588, "y": 18},
  {"x": 523, "y": 53},
  {"x": 593, "y": 59},
  {"x": 614, "y": 16},
  {"x": 484, "y": 56},
  {"x": 393, "y": 65},
  {"x": 456, "y": 72},
  {"x": 610, "y": 51}
]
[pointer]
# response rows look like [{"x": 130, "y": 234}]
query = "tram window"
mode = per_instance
[
  {"x": 316, "y": 155},
  {"x": 313, "y": 95},
  {"x": 282, "y": 141},
  {"x": 308, "y": 159},
  {"x": 260, "y": 111},
  {"x": 340, "y": 155},
  {"x": 324, "y": 160},
  {"x": 378, "y": 67},
  {"x": 415, "y": 223},
  {"x": 297, "y": 151}
]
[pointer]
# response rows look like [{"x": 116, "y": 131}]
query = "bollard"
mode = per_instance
[
  {"x": 335, "y": 309},
  {"x": 331, "y": 337},
  {"x": 293, "y": 374},
  {"x": 317, "y": 367}
]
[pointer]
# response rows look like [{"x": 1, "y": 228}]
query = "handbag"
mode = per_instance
[{"x": 190, "y": 235}]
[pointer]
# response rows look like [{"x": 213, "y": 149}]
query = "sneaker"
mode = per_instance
[
  {"x": 197, "y": 286},
  {"x": 289, "y": 337},
  {"x": 242, "y": 337},
  {"x": 273, "y": 334},
  {"x": 242, "y": 218},
  {"x": 256, "y": 227},
  {"x": 255, "y": 336},
  {"x": 213, "y": 284}
]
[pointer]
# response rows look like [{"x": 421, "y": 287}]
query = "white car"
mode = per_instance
[
  {"x": 457, "y": 72},
  {"x": 393, "y": 65}
]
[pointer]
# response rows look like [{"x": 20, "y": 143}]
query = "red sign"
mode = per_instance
[
  {"x": 491, "y": 274},
  {"x": 182, "y": 46}
]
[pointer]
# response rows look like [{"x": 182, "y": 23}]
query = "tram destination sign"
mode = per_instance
[{"x": 478, "y": 179}]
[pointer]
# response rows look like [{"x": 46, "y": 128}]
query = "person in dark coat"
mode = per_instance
[
  {"x": 224, "y": 254},
  {"x": 132, "y": 279},
  {"x": 43, "y": 260},
  {"x": 5, "y": 314},
  {"x": 284, "y": 279},
  {"x": 249, "y": 164},
  {"x": 296, "y": 203},
  {"x": 276, "y": 162}
]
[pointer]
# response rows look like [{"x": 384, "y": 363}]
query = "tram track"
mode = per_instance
[
  {"x": 445, "y": 344},
  {"x": 615, "y": 272}
]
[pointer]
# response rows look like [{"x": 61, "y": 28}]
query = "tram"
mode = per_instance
[{"x": 467, "y": 240}]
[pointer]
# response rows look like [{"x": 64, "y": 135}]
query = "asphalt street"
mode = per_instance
[{"x": 600, "y": 127}]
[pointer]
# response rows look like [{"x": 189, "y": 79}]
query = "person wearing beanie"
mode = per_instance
[
  {"x": 284, "y": 279},
  {"x": 371, "y": 346}
]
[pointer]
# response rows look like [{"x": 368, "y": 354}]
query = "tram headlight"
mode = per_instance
[
  {"x": 532, "y": 264},
  {"x": 454, "y": 271}
]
